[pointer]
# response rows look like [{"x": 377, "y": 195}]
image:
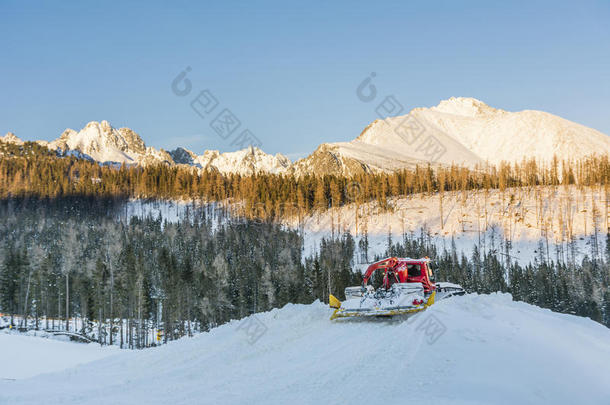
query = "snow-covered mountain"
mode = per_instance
[
  {"x": 475, "y": 349},
  {"x": 464, "y": 131},
  {"x": 11, "y": 138},
  {"x": 103, "y": 143},
  {"x": 496, "y": 135},
  {"x": 245, "y": 162}
]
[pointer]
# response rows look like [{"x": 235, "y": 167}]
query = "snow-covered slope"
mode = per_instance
[
  {"x": 568, "y": 219},
  {"x": 26, "y": 356},
  {"x": 462, "y": 131},
  {"x": 464, "y": 350},
  {"x": 496, "y": 135},
  {"x": 387, "y": 145}
]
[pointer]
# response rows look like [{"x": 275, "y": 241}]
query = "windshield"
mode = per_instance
[{"x": 414, "y": 270}]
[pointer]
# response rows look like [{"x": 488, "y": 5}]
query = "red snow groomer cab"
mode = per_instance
[
  {"x": 403, "y": 270},
  {"x": 407, "y": 287}
]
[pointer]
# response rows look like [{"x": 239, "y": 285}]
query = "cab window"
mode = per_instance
[{"x": 414, "y": 270}]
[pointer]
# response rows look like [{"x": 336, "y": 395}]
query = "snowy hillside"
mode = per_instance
[
  {"x": 464, "y": 350},
  {"x": 522, "y": 216}
]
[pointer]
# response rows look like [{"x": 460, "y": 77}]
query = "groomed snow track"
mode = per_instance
[{"x": 464, "y": 350}]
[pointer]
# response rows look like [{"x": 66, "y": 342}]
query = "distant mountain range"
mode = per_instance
[{"x": 462, "y": 131}]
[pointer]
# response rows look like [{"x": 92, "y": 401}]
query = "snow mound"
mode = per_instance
[{"x": 464, "y": 350}]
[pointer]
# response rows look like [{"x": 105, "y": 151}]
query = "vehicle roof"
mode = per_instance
[{"x": 408, "y": 259}]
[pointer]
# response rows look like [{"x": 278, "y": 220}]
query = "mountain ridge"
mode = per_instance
[
  {"x": 460, "y": 130},
  {"x": 467, "y": 132}
]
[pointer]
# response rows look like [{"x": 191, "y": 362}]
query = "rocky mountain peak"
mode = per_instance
[
  {"x": 466, "y": 106},
  {"x": 183, "y": 156},
  {"x": 133, "y": 140},
  {"x": 11, "y": 138}
]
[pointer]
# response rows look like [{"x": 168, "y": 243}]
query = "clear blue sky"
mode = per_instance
[{"x": 290, "y": 72}]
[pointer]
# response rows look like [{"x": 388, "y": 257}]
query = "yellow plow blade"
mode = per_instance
[
  {"x": 333, "y": 302},
  {"x": 342, "y": 313},
  {"x": 430, "y": 300}
]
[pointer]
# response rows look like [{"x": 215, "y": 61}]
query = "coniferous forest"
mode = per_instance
[
  {"x": 69, "y": 264},
  {"x": 71, "y": 259}
]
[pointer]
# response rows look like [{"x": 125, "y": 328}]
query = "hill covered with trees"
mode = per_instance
[
  {"x": 30, "y": 170},
  {"x": 70, "y": 264}
]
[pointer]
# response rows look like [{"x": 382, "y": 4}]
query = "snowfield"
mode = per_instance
[
  {"x": 475, "y": 349},
  {"x": 26, "y": 356}
]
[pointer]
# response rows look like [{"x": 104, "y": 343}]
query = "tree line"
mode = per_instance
[{"x": 31, "y": 170}]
